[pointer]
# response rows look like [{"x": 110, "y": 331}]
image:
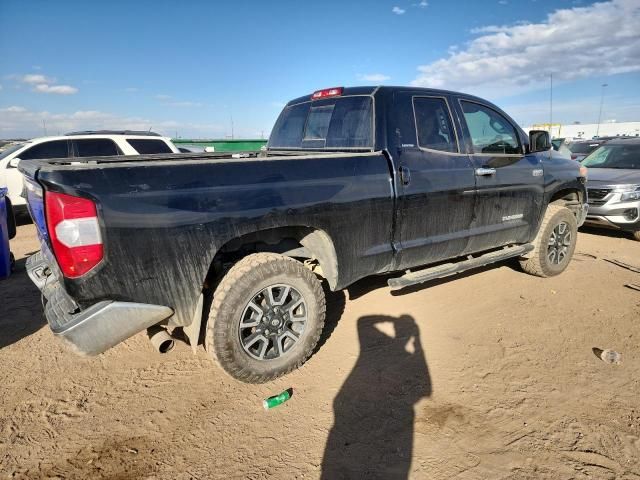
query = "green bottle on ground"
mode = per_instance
[{"x": 276, "y": 400}]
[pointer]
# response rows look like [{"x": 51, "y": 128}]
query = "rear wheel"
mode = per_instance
[
  {"x": 554, "y": 245},
  {"x": 636, "y": 235},
  {"x": 266, "y": 317}
]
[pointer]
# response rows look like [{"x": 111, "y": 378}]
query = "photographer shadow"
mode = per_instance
[{"x": 372, "y": 435}]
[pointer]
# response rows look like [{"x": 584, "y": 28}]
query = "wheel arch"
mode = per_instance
[{"x": 300, "y": 241}]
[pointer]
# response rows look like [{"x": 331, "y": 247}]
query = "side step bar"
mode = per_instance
[{"x": 447, "y": 269}]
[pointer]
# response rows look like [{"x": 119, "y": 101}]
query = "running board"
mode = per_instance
[{"x": 447, "y": 269}]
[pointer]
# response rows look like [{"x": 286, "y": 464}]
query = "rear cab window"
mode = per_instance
[
  {"x": 333, "y": 123},
  {"x": 147, "y": 146}
]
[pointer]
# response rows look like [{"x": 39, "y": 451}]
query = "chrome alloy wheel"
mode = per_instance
[
  {"x": 272, "y": 322},
  {"x": 559, "y": 243}
]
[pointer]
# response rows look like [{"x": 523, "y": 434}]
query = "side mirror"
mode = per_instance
[
  {"x": 13, "y": 163},
  {"x": 539, "y": 141}
]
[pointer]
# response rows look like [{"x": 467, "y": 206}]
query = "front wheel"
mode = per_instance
[
  {"x": 266, "y": 318},
  {"x": 554, "y": 245}
]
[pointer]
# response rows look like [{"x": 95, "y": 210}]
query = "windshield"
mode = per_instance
[
  {"x": 615, "y": 156},
  {"x": 10, "y": 150},
  {"x": 331, "y": 124}
]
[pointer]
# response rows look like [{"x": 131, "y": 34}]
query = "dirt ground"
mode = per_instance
[{"x": 486, "y": 375}]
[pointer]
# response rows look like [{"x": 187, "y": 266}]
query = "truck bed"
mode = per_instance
[{"x": 164, "y": 217}]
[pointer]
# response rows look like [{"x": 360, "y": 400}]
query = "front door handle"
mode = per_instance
[
  {"x": 405, "y": 175},
  {"x": 484, "y": 171}
]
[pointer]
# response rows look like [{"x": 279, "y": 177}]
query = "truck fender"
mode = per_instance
[{"x": 321, "y": 247}]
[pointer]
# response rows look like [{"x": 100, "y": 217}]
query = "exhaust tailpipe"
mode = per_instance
[{"x": 160, "y": 339}]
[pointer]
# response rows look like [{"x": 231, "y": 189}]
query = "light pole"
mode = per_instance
[{"x": 604, "y": 85}]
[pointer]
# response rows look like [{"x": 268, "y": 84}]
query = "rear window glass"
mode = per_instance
[
  {"x": 147, "y": 147},
  {"x": 96, "y": 147},
  {"x": 318, "y": 123},
  {"x": 583, "y": 147},
  {"x": 335, "y": 123}
]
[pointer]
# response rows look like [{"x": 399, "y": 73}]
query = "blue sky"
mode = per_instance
[{"x": 187, "y": 67}]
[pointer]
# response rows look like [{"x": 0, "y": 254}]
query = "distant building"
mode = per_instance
[{"x": 589, "y": 130}]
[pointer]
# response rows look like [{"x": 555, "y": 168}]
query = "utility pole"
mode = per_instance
[
  {"x": 551, "y": 105},
  {"x": 604, "y": 85}
]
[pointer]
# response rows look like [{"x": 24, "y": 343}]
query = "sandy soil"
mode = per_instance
[{"x": 488, "y": 375}]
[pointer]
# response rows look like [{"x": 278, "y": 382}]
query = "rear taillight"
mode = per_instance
[
  {"x": 74, "y": 232},
  {"x": 574, "y": 157}
]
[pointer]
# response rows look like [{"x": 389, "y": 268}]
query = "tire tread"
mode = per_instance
[{"x": 238, "y": 277}]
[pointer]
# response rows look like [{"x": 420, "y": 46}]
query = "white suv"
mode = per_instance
[{"x": 75, "y": 145}]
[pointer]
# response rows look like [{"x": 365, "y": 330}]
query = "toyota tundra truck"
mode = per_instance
[{"x": 412, "y": 183}]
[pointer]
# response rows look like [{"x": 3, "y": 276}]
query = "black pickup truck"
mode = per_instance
[{"x": 355, "y": 182}]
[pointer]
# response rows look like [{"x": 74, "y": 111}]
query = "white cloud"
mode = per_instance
[
  {"x": 19, "y": 122},
  {"x": 0, "y": 87},
  {"x": 374, "y": 77},
  {"x": 506, "y": 60},
  {"x": 422, "y": 4},
  {"x": 57, "y": 89},
  {"x": 36, "y": 67},
  {"x": 503, "y": 2},
  {"x": 398, "y": 10},
  {"x": 34, "y": 79},
  {"x": 44, "y": 84},
  {"x": 163, "y": 97}
]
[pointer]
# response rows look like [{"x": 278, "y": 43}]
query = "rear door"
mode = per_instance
[
  {"x": 437, "y": 181},
  {"x": 509, "y": 183}
]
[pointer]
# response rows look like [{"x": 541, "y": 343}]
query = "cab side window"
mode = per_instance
[
  {"x": 96, "y": 147},
  {"x": 145, "y": 147},
  {"x": 53, "y": 149},
  {"x": 434, "y": 125},
  {"x": 490, "y": 132}
]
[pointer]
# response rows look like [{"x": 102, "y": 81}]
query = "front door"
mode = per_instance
[
  {"x": 437, "y": 182},
  {"x": 510, "y": 184}
]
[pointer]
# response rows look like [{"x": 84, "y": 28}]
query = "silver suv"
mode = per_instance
[{"x": 614, "y": 186}]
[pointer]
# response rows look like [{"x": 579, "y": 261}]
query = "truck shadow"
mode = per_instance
[
  {"x": 20, "y": 307},
  {"x": 372, "y": 435}
]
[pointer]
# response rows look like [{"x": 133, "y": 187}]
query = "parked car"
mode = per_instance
[
  {"x": 579, "y": 149},
  {"x": 75, "y": 145},
  {"x": 355, "y": 182},
  {"x": 614, "y": 186},
  {"x": 556, "y": 142}
]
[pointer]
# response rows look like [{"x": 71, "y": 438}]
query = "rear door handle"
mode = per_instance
[
  {"x": 484, "y": 171},
  {"x": 405, "y": 175}
]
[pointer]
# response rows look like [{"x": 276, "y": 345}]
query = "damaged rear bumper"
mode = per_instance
[{"x": 97, "y": 328}]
